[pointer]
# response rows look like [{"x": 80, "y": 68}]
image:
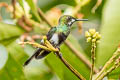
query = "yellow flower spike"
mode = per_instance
[
  {"x": 92, "y": 31},
  {"x": 87, "y": 34},
  {"x": 89, "y": 39},
  {"x": 34, "y": 44},
  {"x": 48, "y": 44},
  {"x": 44, "y": 38}
]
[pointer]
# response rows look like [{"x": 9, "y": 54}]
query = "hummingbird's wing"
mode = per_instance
[
  {"x": 40, "y": 53},
  {"x": 51, "y": 32}
]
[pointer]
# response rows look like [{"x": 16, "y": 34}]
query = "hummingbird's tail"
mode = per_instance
[{"x": 39, "y": 53}]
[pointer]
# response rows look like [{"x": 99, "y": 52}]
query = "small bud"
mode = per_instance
[
  {"x": 89, "y": 39},
  {"x": 93, "y": 40},
  {"x": 20, "y": 43},
  {"x": 99, "y": 36},
  {"x": 44, "y": 37},
  {"x": 92, "y": 36},
  {"x": 87, "y": 34},
  {"x": 92, "y": 31},
  {"x": 95, "y": 35}
]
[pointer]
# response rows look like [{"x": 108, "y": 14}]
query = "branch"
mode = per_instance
[
  {"x": 68, "y": 43},
  {"x": 96, "y": 6},
  {"x": 93, "y": 59},
  {"x": 14, "y": 9},
  {"x": 93, "y": 37},
  {"x": 80, "y": 55},
  {"x": 70, "y": 66},
  {"x": 44, "y": 18},
  {"x": 23, "y": 25},
  {"x": 110, "y": 61},
  {"x": 48, "y": 46},
  {"x": 116, "y": 65}
]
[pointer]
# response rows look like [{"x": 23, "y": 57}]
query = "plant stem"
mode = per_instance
[
  {"x": 80, "y": 56},
  {"x": 70, "y": 67},
  {"x": 116, "y": 65},
  {"x": 36, "y": 45},
  {"x": 49, "y": 47},
  {"x": 93, "y": 58},
  {"x": 112, "y": 59},
  {"x": 14, "y": 9},
  {"x": 44, "y": 18},
  {"x": 96, "y": 6},
  {"x": 68, "y": 43}
]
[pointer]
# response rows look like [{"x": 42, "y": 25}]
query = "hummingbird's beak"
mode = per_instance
[{"x": 81, "y": 19}]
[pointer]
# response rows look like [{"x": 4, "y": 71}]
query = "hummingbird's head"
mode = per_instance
[{"x": 69, "y": 20}]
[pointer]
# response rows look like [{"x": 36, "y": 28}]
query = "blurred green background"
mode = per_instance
[{"x": 105, "y": 19}]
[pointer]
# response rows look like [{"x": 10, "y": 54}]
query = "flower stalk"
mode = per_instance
[
  {"x": 116, "y": 65},
  {"x": 93, "y": 37},
  {"x": 103, "y": 72}
]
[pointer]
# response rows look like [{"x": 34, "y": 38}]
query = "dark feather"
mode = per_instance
[
  {"x": 62, "y": 37},
  {"x": 36, "y": 53},
  {"x": 42, "y": 54},
  {"x": 51, "y": 32}
]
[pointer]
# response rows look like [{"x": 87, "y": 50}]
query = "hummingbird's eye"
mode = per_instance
[{"x": 69, "y": 18}]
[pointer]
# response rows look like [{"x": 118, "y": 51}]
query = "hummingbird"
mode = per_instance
[{"x": 56, "y": 36}]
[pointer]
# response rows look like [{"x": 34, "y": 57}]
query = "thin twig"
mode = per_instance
[
  {"x": 35, "y": 45},
  {"x": 70, "y": 67},
  {"x": 14, "y": 9},
  {"x": 48, "y": 46},
  {"x": 116, "y": 65},
  {"x": 111, "y": 60},
  {"x": 93, "y": 59},
  {"x": 27, "y": 21},
  {"x": 44, "y": 18},
  {"x": 80, "y": 55},
  {"x": 77, "y": 53},
  {"x": 22, "y": 24},
  {"x": 96, "y": 6}
]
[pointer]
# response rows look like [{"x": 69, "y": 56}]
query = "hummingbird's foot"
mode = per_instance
[
  {"x": 60, "y": 55},
  {"x": 57, "y": 47}
]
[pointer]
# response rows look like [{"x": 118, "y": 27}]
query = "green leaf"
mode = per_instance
[
  {"x": 12, "y": 70},
  {"x": 17, "y": 52},
  {"x": 110, "y": 31},
  {"x": 48, "y": 4},
  {"x": 34, "y": 9},
  {"x": 21, "y": 3},
  {"x": 8, "y": 41},
  {"x": 8, "y": 31},
  {"x": 60, "y": 69},
  {"x": 3, "y": 56}
]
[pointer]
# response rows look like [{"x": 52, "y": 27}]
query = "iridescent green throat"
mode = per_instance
[{"x": 62, "y": 28}]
